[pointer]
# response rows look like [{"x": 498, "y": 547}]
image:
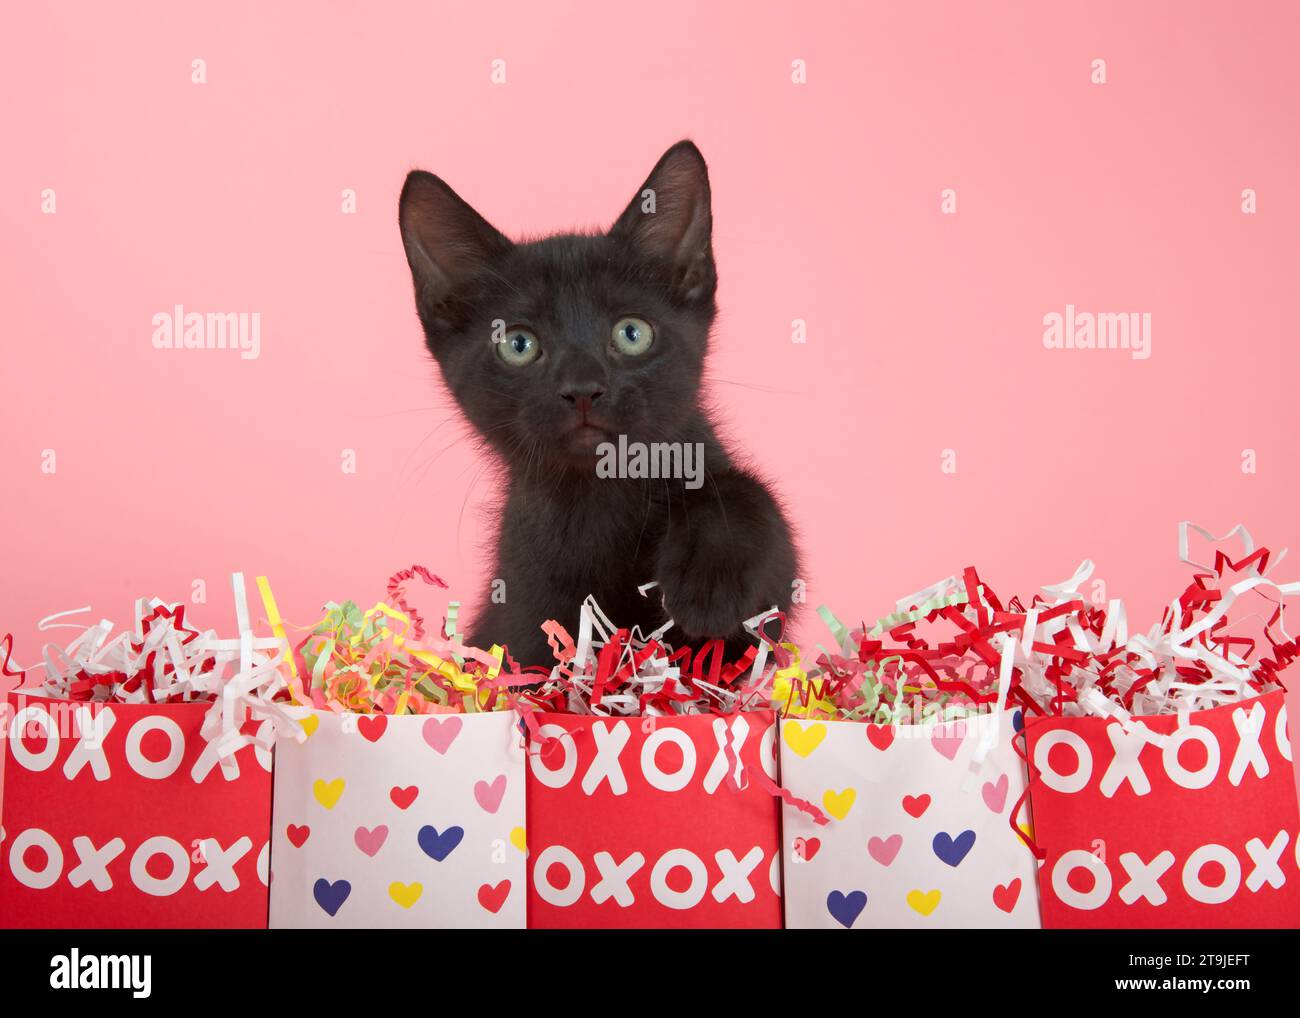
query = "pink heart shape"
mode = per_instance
[
  {"x": 995, "y": 795},
  {"x": 370, "y": 840},
  {"x": 440, "y": 733},
  {"x": 489, "y": 796},
  {"x": 885, "y": 851},
  {"x": 947, "y": 739}
]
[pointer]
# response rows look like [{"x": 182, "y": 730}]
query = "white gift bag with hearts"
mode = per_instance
[
  {"x": 919, "y": 834},
  {"x": 410, "y": 821}
]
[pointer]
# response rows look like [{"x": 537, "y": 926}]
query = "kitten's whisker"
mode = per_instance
[
  {"x": 555, "y": 488},
  {"x": 500, "y": 278},
  {"x": 686, "y": 512},
  {"x": 430, "y": 462},
  {"x": 645, "y": 518},
  {"x": 668, "y": 532},
  {"x": 721, "y": 505},
  {"x": 534, "y": 457},
  {"x": 420, "y": 444},
  {"x": 395, "y": 413},
  {"x": 473, "y": 484},
  {"x": 754, "y": 386}
]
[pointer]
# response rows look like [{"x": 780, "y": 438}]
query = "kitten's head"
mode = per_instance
[{"x": 555, "y": 346}]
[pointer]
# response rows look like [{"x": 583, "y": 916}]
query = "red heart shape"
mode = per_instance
[
  {"x": 372, "y": 726},
  {"x": 403, "y": 797},
  {"x": 915, "y": 805},
  {"x": 492, "y": 898},
  {"x": 880, "y": 736},
  {"x": 297, "y": 835},
  {"x": 806, "y": 848},
  {"x": 1005, "y": 896}
]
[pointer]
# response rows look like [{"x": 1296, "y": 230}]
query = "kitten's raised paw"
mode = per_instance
[{"x": 705, "y": 602}]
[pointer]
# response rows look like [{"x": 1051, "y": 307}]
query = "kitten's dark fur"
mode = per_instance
[{"x": 722, "y": 552}]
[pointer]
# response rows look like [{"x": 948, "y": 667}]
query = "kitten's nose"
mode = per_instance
[{"x": 582, "y": 397}]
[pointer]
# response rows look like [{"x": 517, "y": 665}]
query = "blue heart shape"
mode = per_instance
[
  {"x": 845, "y": 908},
  {"x": 329, "y": 896},
  {"x": 438, "y": 846},
  {"x": 1018, "y": 721},
  {"x": 953, "y": 850}
]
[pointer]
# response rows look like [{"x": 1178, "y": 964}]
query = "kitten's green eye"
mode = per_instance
[
  {"x": 520, "y": 347},
  {"x": 633, "y": 336}
]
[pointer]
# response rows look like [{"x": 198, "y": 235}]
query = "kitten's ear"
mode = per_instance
[
  {"x": 671, "y": 220},
  {"x": 446, "y": 241}
]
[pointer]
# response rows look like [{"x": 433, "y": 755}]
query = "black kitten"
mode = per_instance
[{"x": 563, "y": 351}]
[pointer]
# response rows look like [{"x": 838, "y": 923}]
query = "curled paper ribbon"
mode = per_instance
[
  {"x": 954, "y": 649},
  {"x": 382, "y": 661},
  {"x": 6, "y": 659},
  {"x": 163, "y": 659},
  {"x": 396, "y": 584},
  {"x": 611, "y": 671}
]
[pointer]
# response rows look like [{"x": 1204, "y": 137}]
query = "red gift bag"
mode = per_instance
[
  {"x": 1195, "y": 829},
  {"x": 653, "y": 822},
  {"x": 122, "y": 815}
]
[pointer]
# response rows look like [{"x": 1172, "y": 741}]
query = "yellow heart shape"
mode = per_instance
[
  {"x": 924, "y": 902},
  {"x": 803, "y": 740},
  {"x": 405, "y": 895},
  {"x": 327, "y": 792},
  {"x": 519, "y": 839},
  {"x": 838, "y": 804},
  {"x": 1027, "y": 829},
  {"x": 310, "y": 723}
]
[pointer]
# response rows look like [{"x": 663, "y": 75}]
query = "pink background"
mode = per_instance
[{"x": 924, "y": 329}]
